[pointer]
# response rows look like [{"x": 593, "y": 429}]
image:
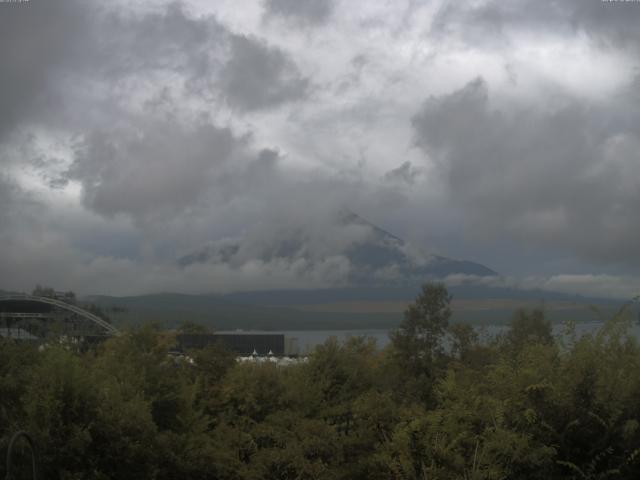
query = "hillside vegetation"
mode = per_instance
[{"x": 523, "y": 406}]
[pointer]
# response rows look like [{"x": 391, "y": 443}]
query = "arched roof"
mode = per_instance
[{"x": 110, "y": 329}]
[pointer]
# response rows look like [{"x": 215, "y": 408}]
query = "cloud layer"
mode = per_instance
[
  {"x": 133, "y": 133},
  {"x": 562, "y": 175}
]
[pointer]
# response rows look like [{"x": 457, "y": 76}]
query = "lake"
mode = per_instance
[{"x": 309, "y": 339}]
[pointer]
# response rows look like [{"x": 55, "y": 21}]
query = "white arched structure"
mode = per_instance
[{"x": 110, "y": 329}]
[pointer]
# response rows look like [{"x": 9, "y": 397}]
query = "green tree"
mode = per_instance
[
  {"x": 527, "y": 328},
  {"x": 417, "y": 343},
  {"x": 188, "y": 326}
]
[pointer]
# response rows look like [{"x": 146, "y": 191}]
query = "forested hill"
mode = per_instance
[
  {"x": 340, "y": 308},
  {"x": 518, "y": 407}
]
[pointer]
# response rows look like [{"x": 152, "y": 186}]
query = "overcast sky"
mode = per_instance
[{"x": 132, "y": 133}]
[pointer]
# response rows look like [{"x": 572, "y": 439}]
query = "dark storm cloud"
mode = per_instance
[
  {"x": 258, "y": 76},
  {"x": 215, "y": 63},
  {"x": 405, "y": 173},
  {"x": 153, "y": 169},
  {"x": 311, "y": 12},
  {"x": 169, "y": 38},
  {"x": 8, "y": 193},
  {"x": 39, "y": 40},
  {"x": 54, "y": 54},
  {"x": 75, "y": 67},
  {"x": 155, "y": 129},
  {"x": 611, "y": 23},
  {"x": 564, "y": 175}
]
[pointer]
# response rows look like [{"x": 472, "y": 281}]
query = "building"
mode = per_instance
[{"x": 242, "y": 344}]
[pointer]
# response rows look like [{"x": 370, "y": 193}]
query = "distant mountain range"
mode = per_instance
[
  {"x": 375, "y": 256},
  {"x": 341, "y": 308},
  {"x": 381, "y": 275}
]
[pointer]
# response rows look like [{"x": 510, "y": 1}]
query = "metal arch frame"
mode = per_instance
[
  {"x": 65, "y": 306},
  {"x": 34, "y": 454}
]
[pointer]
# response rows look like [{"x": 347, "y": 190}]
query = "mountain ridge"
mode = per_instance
[{"x": 369, "y": 254}]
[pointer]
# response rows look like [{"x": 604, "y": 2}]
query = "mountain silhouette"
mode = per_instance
[{"x": 373, "y": 255}]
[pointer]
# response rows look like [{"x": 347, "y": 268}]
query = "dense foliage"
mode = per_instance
[{"x": 524, "y": 405}]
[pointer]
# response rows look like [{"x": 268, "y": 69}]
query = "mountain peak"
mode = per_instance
[{"x": 345, "y": 247}]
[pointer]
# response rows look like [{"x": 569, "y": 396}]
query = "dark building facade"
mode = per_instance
[{"x": 240, "y": 343}]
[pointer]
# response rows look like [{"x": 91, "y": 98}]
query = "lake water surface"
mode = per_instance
[{"x": 308, "y": 339}]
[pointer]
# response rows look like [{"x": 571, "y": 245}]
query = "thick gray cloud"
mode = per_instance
[
  {"x": 117, "y": 103},
  {"x": 154, "y": 169},
  {"x": 258, "y": 76},
  {"x": 57, "y": 56},
  {"x": 563, "y": 175},
  {"x": 39, "y": 41},
  {"x": 311, "y": 12},
  {"x": 132, "y": 134},
  {"x": 167, "y": 40},
  {"x": 129, "y": 87},
  {"x": 214, "y": 62},
  {"x": 612, "y": 23},
  {"x": 406, "y": 173},
  {"x": 8, "y": 194}
]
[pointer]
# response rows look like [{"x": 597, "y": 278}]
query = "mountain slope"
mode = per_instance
[{"x": 363, "y": 253}]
